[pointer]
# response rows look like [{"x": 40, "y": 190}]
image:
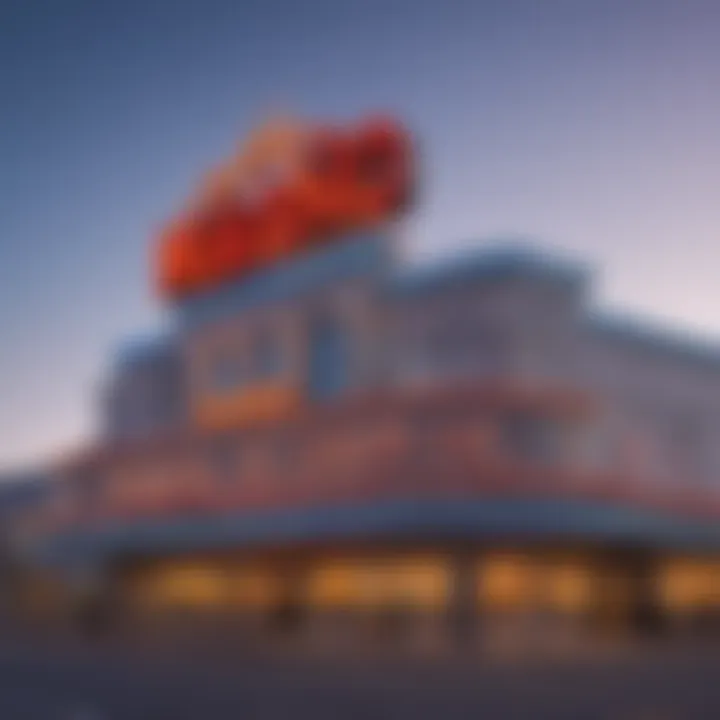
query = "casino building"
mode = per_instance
[{"x": 332, "y": 446}]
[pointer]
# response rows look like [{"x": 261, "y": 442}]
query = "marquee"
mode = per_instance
[{"x": 291, "y": 187}]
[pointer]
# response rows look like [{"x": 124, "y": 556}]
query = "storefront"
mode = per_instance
[{"x": 344, "y": 455}]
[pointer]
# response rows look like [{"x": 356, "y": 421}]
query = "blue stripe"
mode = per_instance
[
  {"x": 336, "y": 263},
  {"x": 537, "y": 520}
]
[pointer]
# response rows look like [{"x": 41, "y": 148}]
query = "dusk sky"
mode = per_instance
[{"x": 592, "y": 126}]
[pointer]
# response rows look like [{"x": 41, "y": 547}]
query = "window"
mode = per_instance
[
  {"x": 285, "y": 452},
  {"x": 266, "y": 356},
  {"x": 687, "y": 438},
  {"x": 380, "y": 583},
  {"x": 522, "y": 582},
  {"x": 88, "y": 489},
  {"x": 329, "y": 359},
  {"x": 531, "y": 437},
  {"x": 460, "y": 346},
  {"x": 226, "y": 371},
  {"x": 224, "y": 459}
]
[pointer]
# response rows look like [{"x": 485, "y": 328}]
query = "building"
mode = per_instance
[
  {"x": 144, "y": 393},
  {"x": 21, "y": 493},
  {"x": 355, "y": 451}
]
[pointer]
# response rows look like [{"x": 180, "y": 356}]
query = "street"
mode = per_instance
[{"x": 644, "y": 685}]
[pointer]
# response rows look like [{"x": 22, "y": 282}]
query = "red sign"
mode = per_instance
[{"x": 291, "y": 188}]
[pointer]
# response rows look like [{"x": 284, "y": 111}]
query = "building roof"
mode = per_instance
[
  {"x": 654, "y": 337},
  {"x": 505, "y": 260},
  {"x": 145, "y": 348},
  {"x": 497, "y": 261},
  {"x": 366, "y": 254}
]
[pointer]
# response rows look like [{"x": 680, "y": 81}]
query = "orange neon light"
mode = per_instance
[{"x": 291, "y": 187}]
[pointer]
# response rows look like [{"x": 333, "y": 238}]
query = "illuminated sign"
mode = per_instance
[
  {"x": 262, "y": 401},
  {"x": 291, "y": 187}
]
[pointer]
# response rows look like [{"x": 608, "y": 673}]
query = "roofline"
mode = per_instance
[
  {"x": 655, "y": 337},
  {"x": 496, "y": 261}
]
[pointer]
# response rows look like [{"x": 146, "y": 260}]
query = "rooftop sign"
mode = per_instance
[{"x": 291, "y": 187}]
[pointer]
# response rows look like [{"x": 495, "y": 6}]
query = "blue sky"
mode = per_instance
[{"x": 591, "y": 125}]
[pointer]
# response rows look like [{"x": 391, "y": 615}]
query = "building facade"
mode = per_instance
[
  {"x": 347, "y": 321},
  {"x": 332, "y": 447},
  {"x": 361, "y": 452}
]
